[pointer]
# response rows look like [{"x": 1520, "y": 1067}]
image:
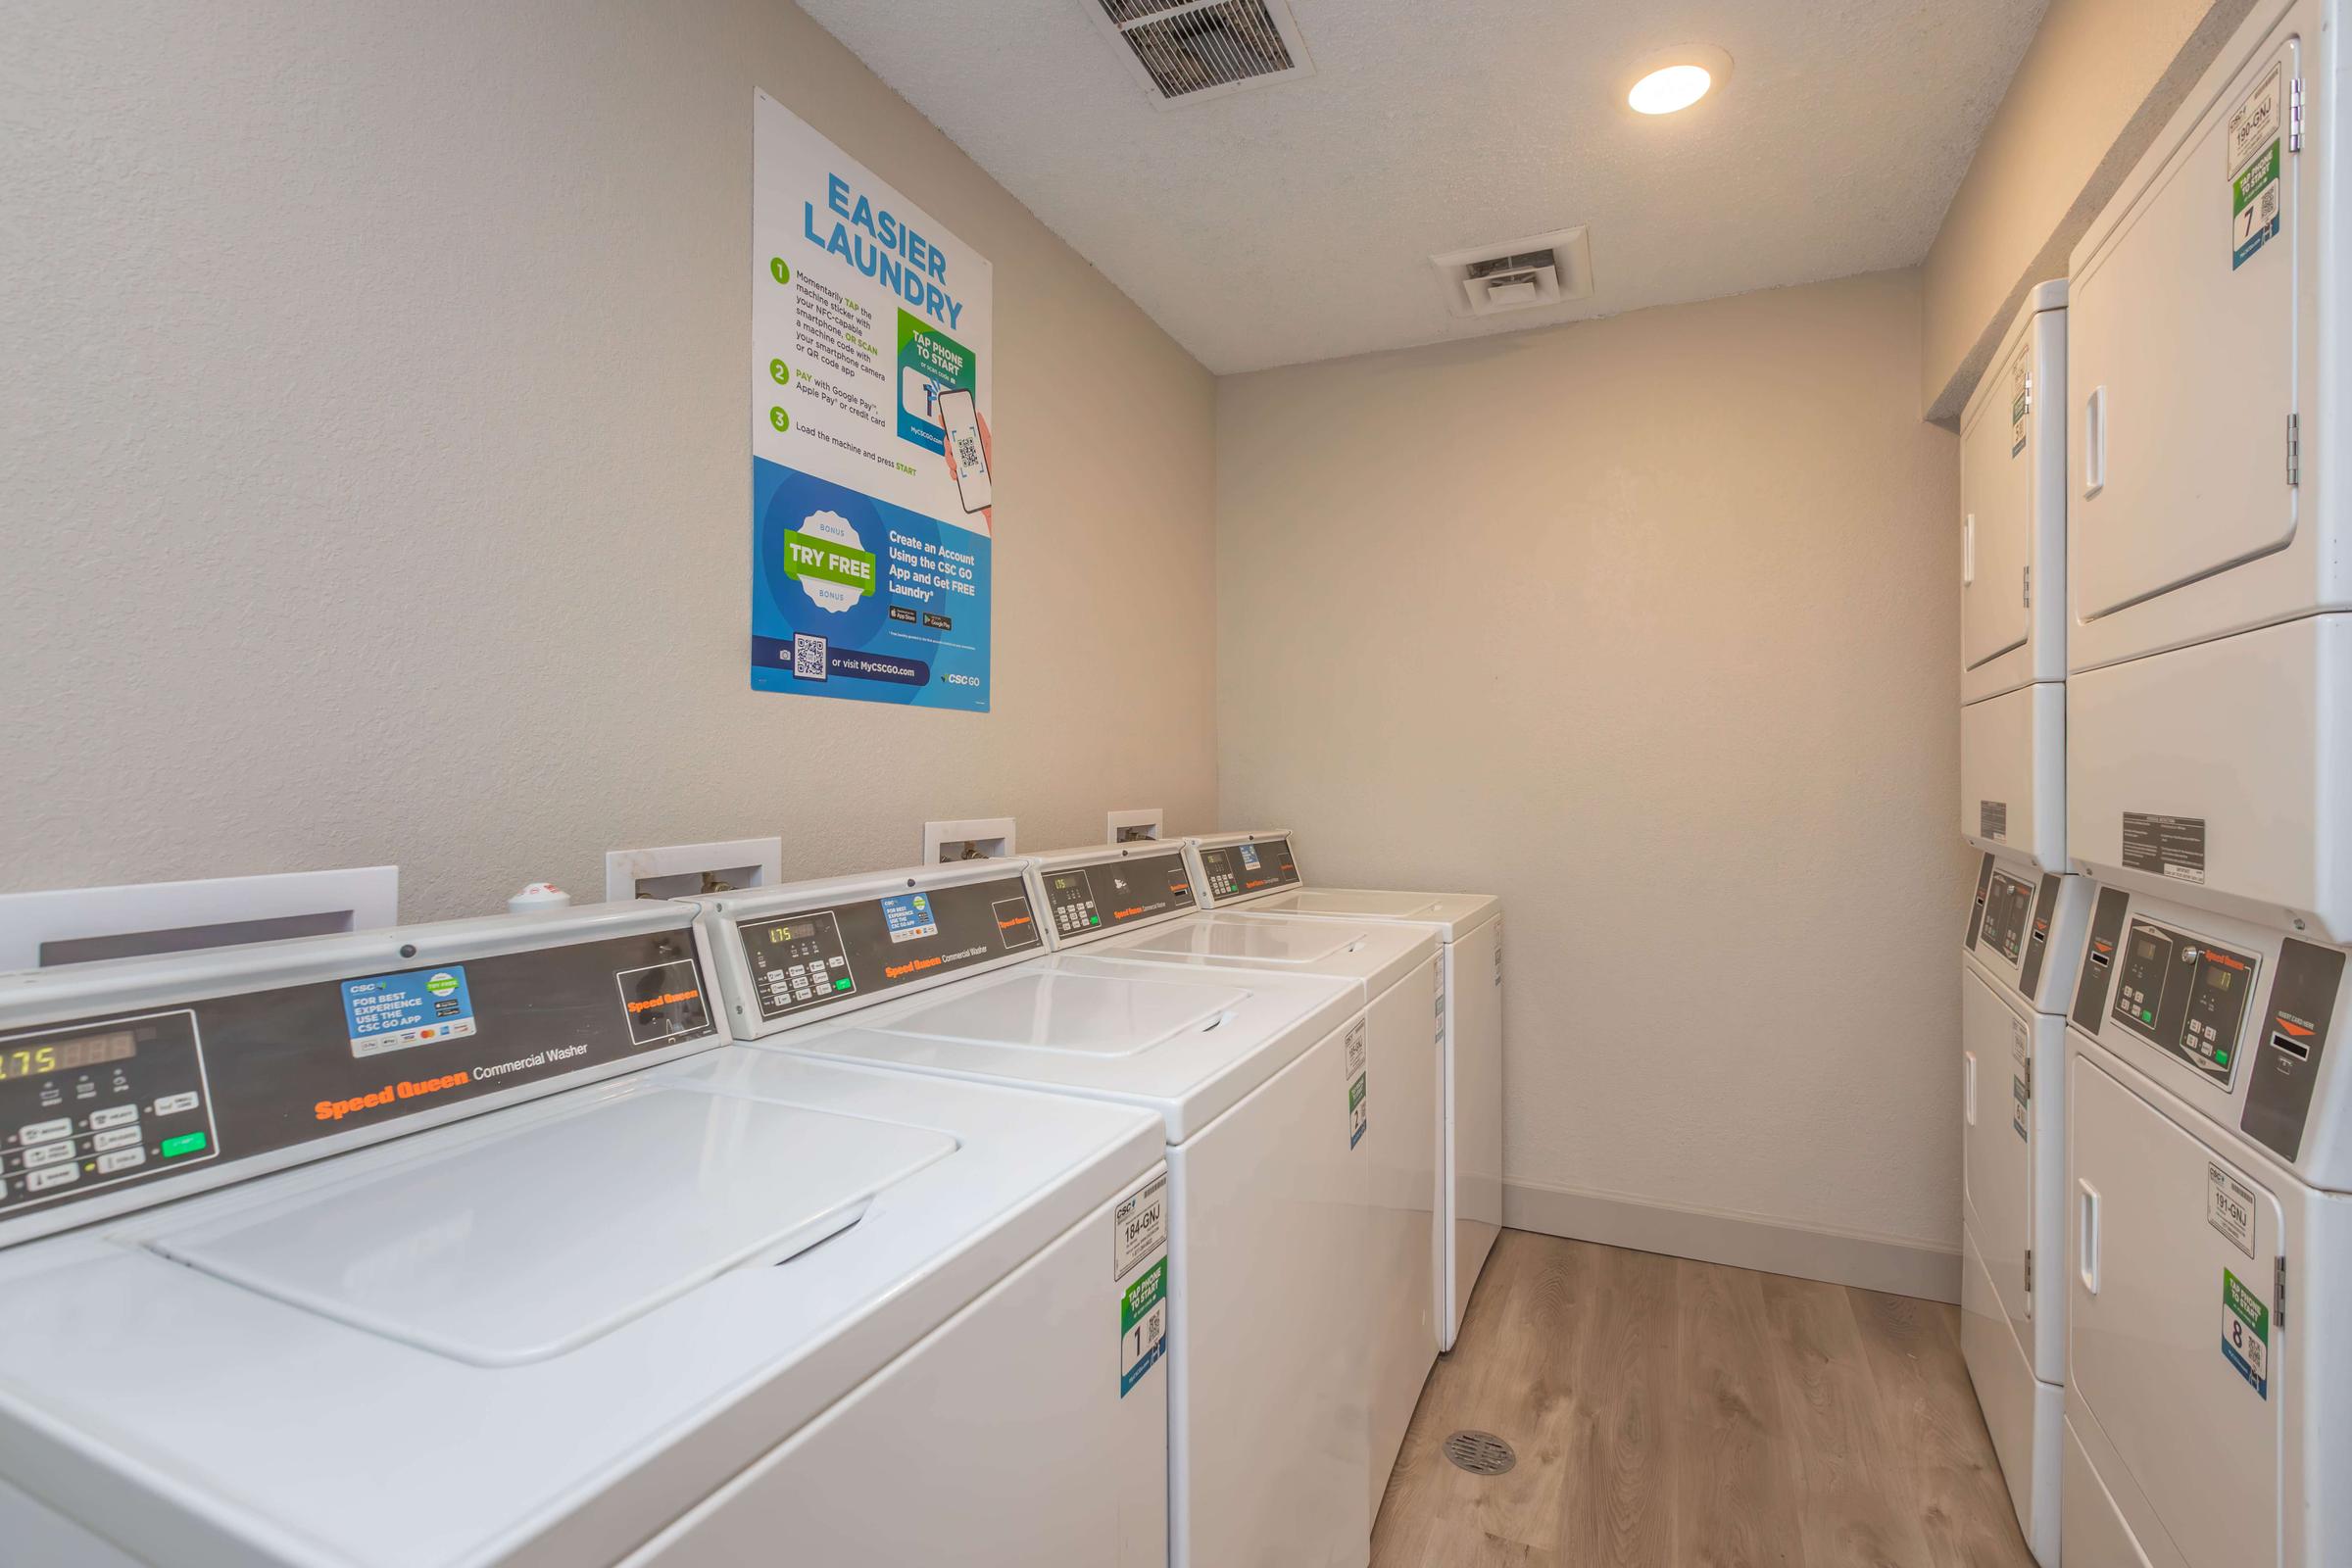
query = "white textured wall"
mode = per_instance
[
  {"x": 1650, "y": 625},
  {"x": 373, "y": 483}
]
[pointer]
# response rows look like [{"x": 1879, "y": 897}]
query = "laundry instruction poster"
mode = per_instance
[{"x": 870, "y": 564}]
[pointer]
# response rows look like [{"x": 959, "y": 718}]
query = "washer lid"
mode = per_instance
[
  {"x": 1378, "y": 955},
  {"x": 1078, "y": 1013},
  {"x": 539, "y": 1237},
  {"x": 1186, "y": 1043},
  {"x": 1458, "y": 913},
  {"x": 1306, "y": 945}
]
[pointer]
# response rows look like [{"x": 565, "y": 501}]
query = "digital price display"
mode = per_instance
[{"x": 65, "y": 1055}]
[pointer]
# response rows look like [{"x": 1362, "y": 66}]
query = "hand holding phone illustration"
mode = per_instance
[{"x": 970, "y": 451}]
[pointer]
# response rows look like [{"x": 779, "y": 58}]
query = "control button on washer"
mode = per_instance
[
  {"x": 173, "y": 1105},
  {"x": 113, "y": 1116},
  {"x": 48, "y": 1155},
  {"x": 41, "y": 1132},
  {"x": 118, "y": 1138},
  {"x": 40, "y": 1181},
  {"x": 121, "y": 1159}
]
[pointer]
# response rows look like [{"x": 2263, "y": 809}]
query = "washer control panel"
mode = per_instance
[
  {"x": 181, "y": 1092},
  {"x": 1115, "y": 891},
  {"x": 796, "y": 962},
  {"x": 2185, "y": 995},
  {"x": 87, "y": 1105},
  {"x": 798, "y": 959},
  {"x": 1237, "y": 870}
]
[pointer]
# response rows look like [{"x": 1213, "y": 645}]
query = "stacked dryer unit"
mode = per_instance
[
  {"x": 2209, "y": 789},
  {"x": 1469, "y": 930},
  {"x": 2025, "y": 927}
]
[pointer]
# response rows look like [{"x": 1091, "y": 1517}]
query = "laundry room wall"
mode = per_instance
[
  {"x": 377, "y": 473},
  {"x": 1647, "y": 624}
]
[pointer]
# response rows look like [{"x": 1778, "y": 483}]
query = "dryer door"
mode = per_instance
[
  {"x": 2170, "y": 1342},
  {"x": 1996, "y": 502},
  {"x": 1996, "y": 1149},
  {"x": 2178, "y": 438}
]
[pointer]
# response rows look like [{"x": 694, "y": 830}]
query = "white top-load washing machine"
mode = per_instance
[
  {"x": 2017, "y": 977},
  {"x": 941, "y": 971},
  {"x": 2209, "y": 1320},
  {"x": 460, "y": 1243},
  {"x": 2209, "y": 339},
  {"x": 1392, "y": 1087},
  {"x": 2012, "y": 592},
  {"x": 1469, "y": 929}
]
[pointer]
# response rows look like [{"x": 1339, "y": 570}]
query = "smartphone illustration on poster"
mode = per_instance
[{"x": 961, "y": 415}]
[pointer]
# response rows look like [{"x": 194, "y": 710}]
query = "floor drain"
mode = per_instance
[{"x": 1482, "y": 1453}]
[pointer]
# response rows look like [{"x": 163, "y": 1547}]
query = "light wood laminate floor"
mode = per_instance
[{"x": 1670, "y": 1414}]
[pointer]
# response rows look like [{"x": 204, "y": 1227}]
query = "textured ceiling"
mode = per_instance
[{"x": 1294, "y": 221}]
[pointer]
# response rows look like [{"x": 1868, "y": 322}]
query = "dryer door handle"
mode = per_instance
[
  {"x": 1968, "y": 1085},
  {"x": 2094, "y": 443},
  {"x": 2087, "y": 1237}
]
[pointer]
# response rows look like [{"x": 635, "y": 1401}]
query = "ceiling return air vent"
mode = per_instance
[
  {"x": 1518, "y": 275},
  {"x": 1188, "y": 51}
]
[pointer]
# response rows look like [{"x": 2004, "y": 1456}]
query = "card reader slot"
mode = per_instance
[{"x": 2291, "y": 1046}]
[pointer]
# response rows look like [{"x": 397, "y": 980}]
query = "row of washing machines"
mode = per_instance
[
  {"x": 1103, "y": 1207},
  {"x": 2156, "y": 764}
]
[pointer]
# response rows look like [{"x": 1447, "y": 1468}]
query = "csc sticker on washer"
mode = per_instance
[
  {"x": 2254, "y": 140},
  {"x": 1143, "y": 1324},
  {"x": 1359, "y": 1084},
  {"x": 1138, "y": 1228},
  {"x": 395, "y": 1012},
  {"x": 1138, "y": 1247},
  {"x": 2229, "y": 1208},
  {"x": 2246, "y": 1332}
]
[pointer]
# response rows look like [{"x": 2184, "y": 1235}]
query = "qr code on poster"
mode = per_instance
[{"x": 807, "y": 656}]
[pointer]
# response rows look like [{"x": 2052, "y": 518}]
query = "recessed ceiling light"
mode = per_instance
[{"x": 1676, "y": 78}]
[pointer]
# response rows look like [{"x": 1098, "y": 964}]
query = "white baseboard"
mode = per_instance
[{"x": 1742, "y": 1241}]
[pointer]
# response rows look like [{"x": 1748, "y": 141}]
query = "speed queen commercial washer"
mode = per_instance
[
  {"x": 460, "y": 1243},
  {"x": 941, "y": 971},
  {"x": 1469, "y": 927}
]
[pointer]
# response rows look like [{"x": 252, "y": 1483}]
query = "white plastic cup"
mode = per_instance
[{"x": 538, "y": 896}]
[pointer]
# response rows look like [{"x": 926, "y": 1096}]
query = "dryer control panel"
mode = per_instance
[
  {"x": 798, "y": 959},
  {"x": 2185, "y": 995},
  {"x": 2248, "y": 1012},
  {"x": 2008, "y": 910}
]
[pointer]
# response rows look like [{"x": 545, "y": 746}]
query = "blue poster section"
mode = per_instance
[{"x": 870, "y": 599}]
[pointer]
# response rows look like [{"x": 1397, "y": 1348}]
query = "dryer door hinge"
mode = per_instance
[
  {"x": 2294, "y": 116},
  {"x": 2028, "y": 587},
  {"x": 2029, "y": 1271},
  {"x": 2279, "y": 1291},
  {"x": 2294, "y": 448}
]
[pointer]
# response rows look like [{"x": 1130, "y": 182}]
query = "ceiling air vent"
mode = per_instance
[
  {"x": 1520, "y": 275},
  {"x": 1186, "y": 51}
]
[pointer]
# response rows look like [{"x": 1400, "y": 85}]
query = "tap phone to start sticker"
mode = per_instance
[{"x": 961, "y": 415}]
